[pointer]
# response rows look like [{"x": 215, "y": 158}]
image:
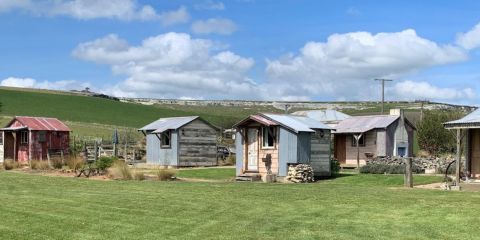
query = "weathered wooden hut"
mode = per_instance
[
  {"x": 377, "y": 135},
  {"x": 181, "y": 142},
  {"x": 268, "y": 143},
  {"x": 32, "y": 138},
  {"x": 470, "y": 125}
]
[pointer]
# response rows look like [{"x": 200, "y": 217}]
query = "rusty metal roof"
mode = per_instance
[
  {"x": 41, "y": 124},
  {"x": 472, "y": 120},
  {"x": 363, "y": 124},
  {"x": 172, "y": 123}
]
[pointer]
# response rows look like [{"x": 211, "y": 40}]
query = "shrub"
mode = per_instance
[
  {"x": 9, "y": 164},
  {"x": 120, "y": 170},
  {"x": 138, "y": 175},
  {"x": 105, "y": 162},
  {"x": 164, "y": 174},
  {"x": 39, "y": 165},
  {"x": 75, "y": 163},
  {"x": 57, "y": 164},
  {"x": 334, "y": 166}
]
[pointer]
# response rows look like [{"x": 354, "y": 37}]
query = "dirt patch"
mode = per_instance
[{"x": 437, "y": 186}]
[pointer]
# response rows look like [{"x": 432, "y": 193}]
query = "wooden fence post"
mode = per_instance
[
  {"x": 408, "y": 178},
  {"x": 458, "y": 157},
  {"x": 96, "y": 150}
]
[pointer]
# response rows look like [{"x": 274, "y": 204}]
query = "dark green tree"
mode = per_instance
[{"x": 432, "y": 136}]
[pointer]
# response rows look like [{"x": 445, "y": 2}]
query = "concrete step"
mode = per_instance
[{"x": 248, "y": 177}]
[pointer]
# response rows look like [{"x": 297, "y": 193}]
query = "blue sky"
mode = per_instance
[{"x": 250, "y": 49}]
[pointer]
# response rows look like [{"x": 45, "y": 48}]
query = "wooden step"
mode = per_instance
[{"x": 248, "y": 177}]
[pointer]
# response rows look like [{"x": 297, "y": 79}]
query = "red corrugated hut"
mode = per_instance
[{"x": 31, "y": 138}]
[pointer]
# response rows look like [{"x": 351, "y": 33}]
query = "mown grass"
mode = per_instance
[
  {"x": 350, "y": 207},
  {"x": 207, "y": 173}
]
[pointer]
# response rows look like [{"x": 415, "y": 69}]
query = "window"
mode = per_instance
[
  {"x": 42, "y": 136},
  {"x": 165, "y": 139},
  {"x": 24, "y": 137},
  {"x": 361, "y": 141},
  {"x": 268, "y": 134},
  {"x": 1, "y": 138}
]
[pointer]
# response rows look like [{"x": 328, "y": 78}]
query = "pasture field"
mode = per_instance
[{"x": 351, "y": 206}]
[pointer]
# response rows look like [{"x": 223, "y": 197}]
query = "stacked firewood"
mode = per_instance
[{"x": 300, "y": 173}]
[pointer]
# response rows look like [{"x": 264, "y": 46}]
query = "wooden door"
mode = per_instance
[
  {"x": 8, "y": 146},
  {"x": 475, "y": 153},
  {"x": 252, "y": 162},
  {"x": 340, "y": 148}
]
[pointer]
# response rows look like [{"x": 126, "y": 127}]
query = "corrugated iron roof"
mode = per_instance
[
  {"x": 297, "y": 123},
  {"x": 365, "y": 123},
  {"x": 172, "y": 123},
  {"x": 323, "y": 115},
  {"x": 471, "y": 120},
  {"x": 41, "y": 124}
]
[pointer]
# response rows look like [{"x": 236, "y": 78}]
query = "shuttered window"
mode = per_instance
[
  {"x": 24, "y": 137},
  {"x": 42, "y": 136}
]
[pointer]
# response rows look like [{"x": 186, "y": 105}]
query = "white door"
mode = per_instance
[{"x": 252, "y": 149}]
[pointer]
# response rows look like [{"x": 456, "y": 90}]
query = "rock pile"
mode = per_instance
[
  {"x": 433, "y": 163},
  {"x": 300, "y": 173}
]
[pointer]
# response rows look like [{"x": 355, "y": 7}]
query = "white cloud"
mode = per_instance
[
  {"x": 210, "y": 5},
  {"x": 171, "y": 65},
  {"x": 214, "y": 25},
  {"x": 32, "y": 83},
  {"x": 470, "y": 39},
  {"x": 173, "y": 17},
  {"x": 410, "y": 90},
  {"x": 346, "y": 63},
  {"x": 126, "y": 10}
]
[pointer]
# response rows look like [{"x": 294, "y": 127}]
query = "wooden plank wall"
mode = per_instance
[
  {"x": 287, "y": 150},
  {"x": 262, "y": 153},
  {"x": 197, "y": 144},
  {"x": 475, "y": 152},
  {"x": 370, "y": 146},
  {"x": 320, "y": 153},
  {"x": 1, "y": 147}
]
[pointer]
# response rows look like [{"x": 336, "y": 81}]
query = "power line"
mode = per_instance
[{"x": 383, "y": 90}]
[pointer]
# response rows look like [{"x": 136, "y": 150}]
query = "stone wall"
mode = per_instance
[{"x": 429, "y": 164}]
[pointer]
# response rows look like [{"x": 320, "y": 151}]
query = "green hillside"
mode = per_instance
[{"x": 84, "y": 109}]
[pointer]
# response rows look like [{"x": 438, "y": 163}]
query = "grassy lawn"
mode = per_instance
[
  {"x": 208, "y": 173},
  {"x": 350, "y": 207}
]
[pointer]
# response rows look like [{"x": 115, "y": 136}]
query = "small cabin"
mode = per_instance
[
  {"x": 269, "y": 143},
  {"x": 32, "y": 138},
  {"x": 181, "y": 142},
  {"x": 468, "y": 130},
  {"x": 376, "y": 135}
]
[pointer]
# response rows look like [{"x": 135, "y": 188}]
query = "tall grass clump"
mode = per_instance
[
  {"x": 9, "y": 164},
  {"x": 138, "y": 175},
  {"x": 75, "y": 162},
  {"x": 164, "y": 174},
  {"x": 120, "y": 171},
  {"x": 39, "y": 165}
]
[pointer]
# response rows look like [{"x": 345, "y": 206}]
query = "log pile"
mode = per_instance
[{"x": 300, "y": 173}]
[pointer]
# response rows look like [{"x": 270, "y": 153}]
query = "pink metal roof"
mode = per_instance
[
  {"x": 41, "y": 124},
  {"x": 365, "y": 123}
]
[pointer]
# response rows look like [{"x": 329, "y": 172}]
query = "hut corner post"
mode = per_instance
[
  {"x": 357, "y": 138},
  {"x": 408, "y": 177},
  {"x": 458, "y": 156}
]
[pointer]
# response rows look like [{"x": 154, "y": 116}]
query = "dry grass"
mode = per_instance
[
  {"x": 9, "y": 164},
  {"x": 39, "y": 165},
  {"x": 164, "y": 174},
  {"x": 120, "y": 171},
  {"x": 75, "y": 162},
  {"x": 138, "y": 175}
]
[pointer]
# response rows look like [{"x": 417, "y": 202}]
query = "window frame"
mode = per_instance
[
  {"x": 24, "y": 137},
  {"x": 1, "y": 138},
  {"x": 361, "y": 141},
  {"x": 274, "y": 137},
  {"x": 167, "y": 134},
  {"x": 42, "y": 134}
]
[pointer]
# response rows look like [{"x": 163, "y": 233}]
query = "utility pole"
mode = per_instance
[
  {"x": 287, "y": 106},
  {"x": 383, "y": 91}
]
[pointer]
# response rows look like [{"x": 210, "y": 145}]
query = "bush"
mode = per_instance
[
  {"x": 39, "y": 165},
  {"x": 164, "y": 174},
  {"x": 75, "y": 163},
  {"x": 57, "y": 164},
  {"x": 9, "y": 164},
  {"x": 120, "y": 171},
  {"x": 334, "y": 166},
  {"x": 105, "y": 162},
  {"x": 376, "y": 168}
]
